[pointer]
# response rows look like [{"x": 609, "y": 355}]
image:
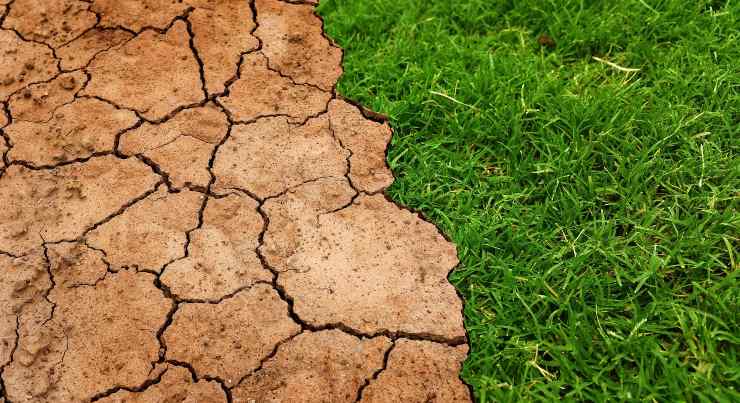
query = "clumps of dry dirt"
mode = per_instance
[
  {"x": 24, "y": 283},
  {"x": 189, "y": 212},
  {"x": 3, "y": 151},
  {"x": 4, "y": 120}
]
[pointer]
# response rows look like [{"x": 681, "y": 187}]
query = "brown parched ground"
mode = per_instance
[{"x": 190, "y": 213}]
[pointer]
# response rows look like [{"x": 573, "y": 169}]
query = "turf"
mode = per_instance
[{"x": 583, "y": 155}]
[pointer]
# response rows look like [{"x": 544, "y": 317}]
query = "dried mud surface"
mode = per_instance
[{"x": 190, "y": 213}]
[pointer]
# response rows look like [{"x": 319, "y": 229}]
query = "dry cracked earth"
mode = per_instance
[{"x": 190, "y": 213}]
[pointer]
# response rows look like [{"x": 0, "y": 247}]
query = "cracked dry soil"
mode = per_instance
[{"x": 190, "y": 213}]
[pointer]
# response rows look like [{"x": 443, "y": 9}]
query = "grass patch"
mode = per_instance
[{"x": 583, "y": 155}]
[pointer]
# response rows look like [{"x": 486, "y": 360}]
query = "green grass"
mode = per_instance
[{"x": 595, "y": 210}]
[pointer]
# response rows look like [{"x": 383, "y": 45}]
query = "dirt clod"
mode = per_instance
[
  {"x": 546, "y": 41},
  {"x": 23, "y": 284},
  {"x": 222, "y": 32},
  {"x": 367, "y": 140}
]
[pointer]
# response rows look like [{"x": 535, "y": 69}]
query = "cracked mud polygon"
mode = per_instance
[{"x": 190, "y": 213}]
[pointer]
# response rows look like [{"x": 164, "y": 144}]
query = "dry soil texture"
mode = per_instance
[{"x": 189, "y": 213}]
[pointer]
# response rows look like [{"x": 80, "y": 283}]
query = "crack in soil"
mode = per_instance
[
  {"x": 51, "y": 288},
  {"x": 191, "y": 42},
  {"x": 376, "y": 374},
  {"x": 138, "y": 389}
]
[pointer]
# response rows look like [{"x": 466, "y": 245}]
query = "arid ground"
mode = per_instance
[{"x": 189, "y": 212}]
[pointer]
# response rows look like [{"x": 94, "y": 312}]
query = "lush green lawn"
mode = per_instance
[{"x": 595, "y": 208}]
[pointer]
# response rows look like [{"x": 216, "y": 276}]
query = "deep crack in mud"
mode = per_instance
[{"x": 189, "y": 212}]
